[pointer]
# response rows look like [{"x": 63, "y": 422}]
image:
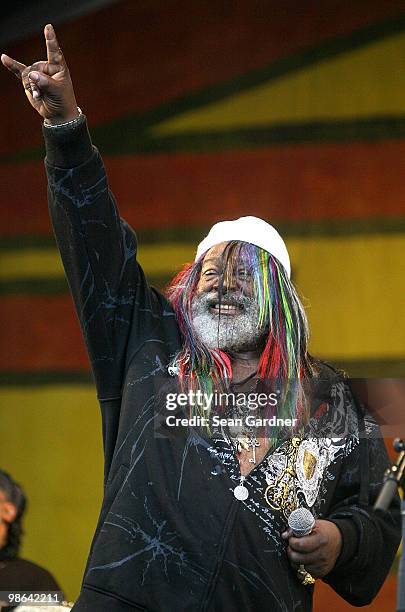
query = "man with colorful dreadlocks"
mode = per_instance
[{"x": 195, "y": 516}]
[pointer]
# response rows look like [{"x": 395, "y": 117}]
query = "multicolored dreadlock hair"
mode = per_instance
[{"x": 284, "y": 361}]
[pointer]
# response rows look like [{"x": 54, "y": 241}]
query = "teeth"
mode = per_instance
[{"x": 228, "y": 307}]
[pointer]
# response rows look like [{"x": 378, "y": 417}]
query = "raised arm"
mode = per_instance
[{"x": 98, "y": 249}]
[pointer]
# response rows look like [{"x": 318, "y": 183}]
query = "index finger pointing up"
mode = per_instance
[{"x": 53, "y": 51}]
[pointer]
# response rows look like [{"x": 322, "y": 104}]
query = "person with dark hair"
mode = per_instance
[
  {"x": 198, "y": 521},
  {"x": 17, "y": 574},
  {"x": 13, "y": 503}
]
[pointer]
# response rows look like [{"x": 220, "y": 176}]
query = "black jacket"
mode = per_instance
[{"x": 171, "y": 535}]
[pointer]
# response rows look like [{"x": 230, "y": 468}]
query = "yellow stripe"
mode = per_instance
[
  {"x": 365, "y": 82},
  {"x": 165, "y": 258},
  {"x": 30, "y": 263},
  {"x": 354, "y": 288},
  {"x": 354, "y": 292},
  {"x": 59, "y": 463},
  {"x": 46, "y": 263}
]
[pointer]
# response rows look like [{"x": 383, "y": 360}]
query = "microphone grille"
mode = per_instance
[{"x": 301, "y": 521}]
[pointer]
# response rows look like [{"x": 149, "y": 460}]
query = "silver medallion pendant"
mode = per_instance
[{"x": 241, "y": 493}]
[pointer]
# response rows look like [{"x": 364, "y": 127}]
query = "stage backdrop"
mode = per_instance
[{"x": 292, "y": 111}]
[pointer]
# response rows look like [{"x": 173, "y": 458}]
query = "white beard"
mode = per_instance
[{"x": 233, "y": 333}]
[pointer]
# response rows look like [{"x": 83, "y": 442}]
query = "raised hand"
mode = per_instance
[{"x": 47, "y": 84}]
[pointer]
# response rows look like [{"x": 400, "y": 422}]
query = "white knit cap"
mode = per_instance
[{"x": 248, "y": 229}]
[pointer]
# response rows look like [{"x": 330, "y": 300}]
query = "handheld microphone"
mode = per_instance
[{"x": 301, "y": 522}]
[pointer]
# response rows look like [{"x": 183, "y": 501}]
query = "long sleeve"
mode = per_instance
[
  {"x": 370, "y": 539},
  {"x": 98, "y": 251},
  {"x": 119, "y": 312}
]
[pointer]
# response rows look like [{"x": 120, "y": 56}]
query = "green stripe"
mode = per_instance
[
  {"x": 21, "y": 157},
  {"x": 390, "y": 368},
  {"x": 58, "y": 286},
  {"x": 27, "y": 241},
  {"x": 34, "y": 286},
  {"x": 129, "y": 134},
  {"x": 187, "y": 235},
  {"x": 372, "y": 368},
  {"x": 50, "y": 377},
  {"x": 370, "y": 130}
]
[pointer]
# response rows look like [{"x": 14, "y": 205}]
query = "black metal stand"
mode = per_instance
[{"x": 394, "y": 479}]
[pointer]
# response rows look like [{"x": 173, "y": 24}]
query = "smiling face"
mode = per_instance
[
  {"x": 225, "y": 312},
  {"x": 223, "y": 268}
]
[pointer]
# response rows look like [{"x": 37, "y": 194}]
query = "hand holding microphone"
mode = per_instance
[{"x": 313, "y": 545}]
